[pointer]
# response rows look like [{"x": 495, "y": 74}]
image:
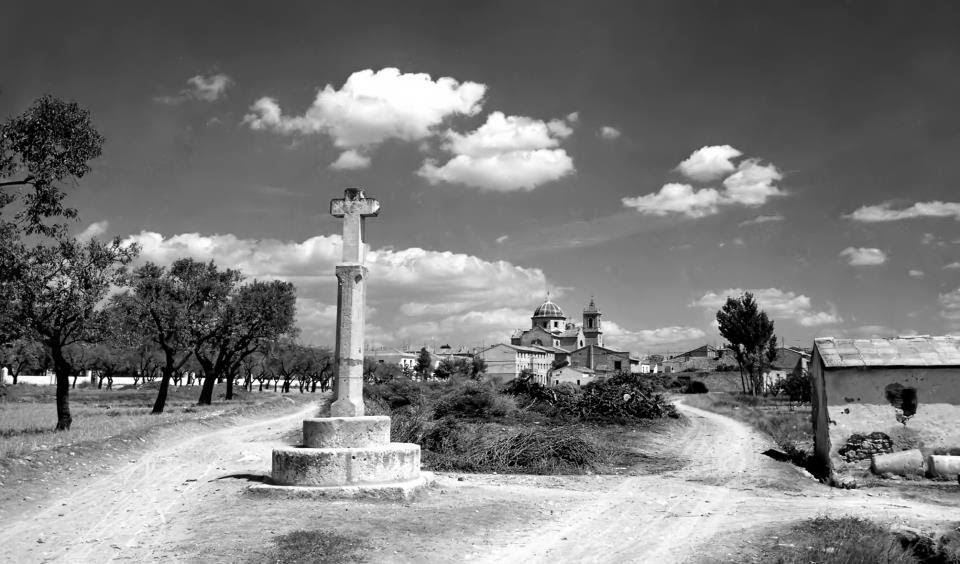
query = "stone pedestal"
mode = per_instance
[{"x": 347, "y": 457}]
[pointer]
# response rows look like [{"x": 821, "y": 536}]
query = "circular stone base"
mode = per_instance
[{"x": 379, "y": 464}]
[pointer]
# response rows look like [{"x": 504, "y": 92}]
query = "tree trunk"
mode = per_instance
[
  {"x": 62, "y": 370},
  {"x": 229, "y": 395},
  {"x": 206, "y": 392},
  {"x": 261, "y": 385},
  {"x": 164, "y": 385}
]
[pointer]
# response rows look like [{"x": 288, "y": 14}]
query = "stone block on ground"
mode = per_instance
[
  {"x": 903, "y": 463},
  {"x": 943, "y": 466}
]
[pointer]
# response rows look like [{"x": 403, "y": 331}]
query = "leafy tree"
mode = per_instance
[
  {"x": 51, "y": 142},
  {"x": 249, "y": 316},
  {"x": 478, "y": 367},
  {"x": 169, "y": 303},
  {"x": 55, "y": 291},
  {"x": 20, "y": 355},
  {"x": 424, "y": 363},
  {"x": 750, "y": 335}
]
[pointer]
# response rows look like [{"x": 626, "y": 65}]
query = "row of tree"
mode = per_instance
[{"x": 82, "y": 303}]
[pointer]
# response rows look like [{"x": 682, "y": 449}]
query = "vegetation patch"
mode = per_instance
[
  {"x": 848, "y": 540},
  {"x": 467, "y": 425},
  {"x": 323, "y": 546}
]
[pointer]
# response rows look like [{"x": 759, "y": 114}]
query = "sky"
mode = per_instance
[{"x": 657, "y": 156}]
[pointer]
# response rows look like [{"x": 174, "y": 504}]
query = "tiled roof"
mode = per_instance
[{"x": 901, "y": 351}]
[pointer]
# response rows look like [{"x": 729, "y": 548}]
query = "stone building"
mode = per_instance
[{"x": 907, "y": 389}]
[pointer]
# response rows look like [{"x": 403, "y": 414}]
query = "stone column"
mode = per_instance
[{"x": 351, "y": 298}]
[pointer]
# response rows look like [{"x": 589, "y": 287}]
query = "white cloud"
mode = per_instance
[
  {"x": 709, "y": 163},
  {"x": 916, "y": 273},
  {"x": 950, "y": 306},
  {"x": 677, "y": 198},
  {"x": 95, "y": 229},
  {"x": 502, "y": 238},
  {"x": 952, "y": 266},
  {"x": 863, "y": 256},
  {"x": 624, "y": 339},
  {"x": 209, "y": 88},
  {"x": 883, "y": 212},
  {"x": 204, "y": 88},
  {"x": 573, "y": 117},
  {"x": 350, "y": 159},
  {"x": 610, "y": 133},
  {"x": 752, "y": 183},
  {"x": 506, "y": 153},
  {"x": 374, "y": 106},
  {"x": 438, "y": 288},
  {"x": 761, "y": 219},
  {"x": 778, "y": 304}
]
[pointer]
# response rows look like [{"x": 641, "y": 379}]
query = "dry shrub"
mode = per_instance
[
  {"x": 623, "y": 397},
  {"x": 452, "y": 445},
  {"x": 474, "y": 400}
]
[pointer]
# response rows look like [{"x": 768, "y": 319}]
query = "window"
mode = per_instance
[
  {"x": 617, "y": 365},
  {"x": 555, "y": 324},
  {"x": 590, "y": 323},
  {"x": 578, "y": 382}
]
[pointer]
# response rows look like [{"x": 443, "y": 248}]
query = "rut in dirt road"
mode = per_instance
[{"x": 100, "y": 520}]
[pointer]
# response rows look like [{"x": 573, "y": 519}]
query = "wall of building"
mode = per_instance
[
  {"x": 604, "y": 360},
  {"x": 857, "y": 400},
  {"x": 569, "y": 375}
]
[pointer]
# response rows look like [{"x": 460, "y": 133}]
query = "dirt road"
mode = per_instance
[
  {"x": 727, "y": 487},
  {"x": 184, "y": 502}
]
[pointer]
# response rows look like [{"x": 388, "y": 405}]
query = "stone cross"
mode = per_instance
[
  {"x": 351, "y": 297},
  {"x": 353, "y": 208}
]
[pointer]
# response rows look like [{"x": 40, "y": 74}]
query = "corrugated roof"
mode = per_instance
[{"x": 901, "y": 351}]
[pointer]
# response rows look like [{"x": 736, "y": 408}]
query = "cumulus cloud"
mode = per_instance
[
  {"x": 709, "y": 163},
  {"x": 950, "y": 307},
  {"x": 350, "y": 159},
  {"x": 884, "y": 212},
  {"x": 95, "y": 229},
  {"x": 677, "y": 198},
  {"x": 616, "y": 336},
  {"x": 752, "y": 183},
  {"x": 502, "y": 238},
  {"x": 204, "y": 88},
  {"x": 749, "y": 184},
  {"x": 760, "y": 219},
  {"x": 952, "y": 266},
  {"x": 374, "y": 106},
  {"x": 436, "y": 289},
  {"x": 778, "y": 304},
  {"x": 609, "y": 133},
  {"x": 863, "y": 256},
  {"x": 506, "y": 153},
  {"x": 916, "y": 273}
]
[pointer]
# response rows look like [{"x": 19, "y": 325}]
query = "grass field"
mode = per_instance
[{"x": 28, "y": 414}]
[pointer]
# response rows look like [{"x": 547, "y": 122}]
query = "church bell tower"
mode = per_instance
[{"x": 591, "y": 325}]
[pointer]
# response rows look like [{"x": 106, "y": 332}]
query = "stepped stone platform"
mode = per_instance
[{"x": 346, "y": 457}]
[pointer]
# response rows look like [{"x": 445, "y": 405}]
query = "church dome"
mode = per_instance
[{"x": 548, "y": 309}]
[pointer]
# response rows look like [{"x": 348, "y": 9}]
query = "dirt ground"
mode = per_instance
[{"x": 185, "y": 500}]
